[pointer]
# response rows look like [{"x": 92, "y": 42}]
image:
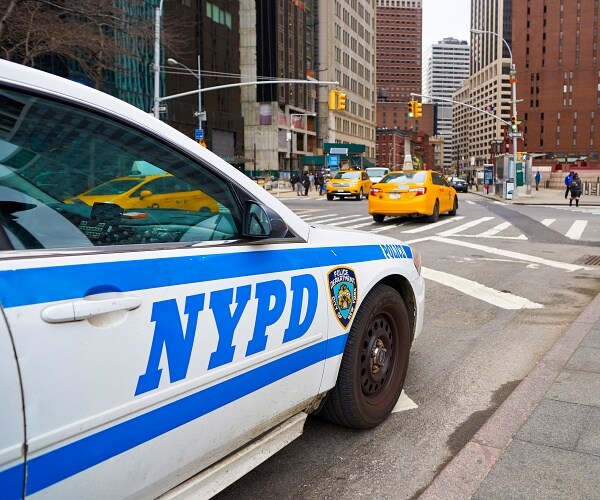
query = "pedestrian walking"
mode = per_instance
[
  {"x": 294, "y": 180},
  {"x": 320, "y": 181},
  {"x": 576, "y": 188},
  {"x": 538, "y": 178},
  {"x": 568, "y": 180},
  {"x": 299, "y": 185},
  {"x": 306, "y": 184}
]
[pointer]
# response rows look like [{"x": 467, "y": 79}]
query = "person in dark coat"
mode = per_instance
[
  {"x": 576, "y": 188},
  {"x": 306, "y": 183}
]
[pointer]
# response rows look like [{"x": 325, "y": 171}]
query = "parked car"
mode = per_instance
[
  {"x": 151, "y": 351},
  {"x": 349, "y": 183},
  {"x": 412, "y": 192},
  {"x": 376, "y": 173},
  {"x": 459, "y": 184}
]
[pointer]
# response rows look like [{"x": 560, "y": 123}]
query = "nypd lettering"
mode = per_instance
[
  {"x": 394, "y": 251},
  {"x": 343, "y": 292},
  {"x": 225, "y": 309}
]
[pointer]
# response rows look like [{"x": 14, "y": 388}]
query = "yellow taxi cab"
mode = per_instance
[
  {"x": 412, "y": 192},
  {"x": 349, "y": 183},
  {"x": 150, "y": 191}
]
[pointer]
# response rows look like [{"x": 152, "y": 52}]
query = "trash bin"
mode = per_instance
[{"x": 546, "y": 184}]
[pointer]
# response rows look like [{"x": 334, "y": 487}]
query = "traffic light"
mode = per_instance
[
  {"x": 333, "y": 99},
  {"x": 411, "y": 108},
  {"x": 418, "y": 109},
  {"x": 341, "y": 104},
  {"x": 514, "y": 123}
]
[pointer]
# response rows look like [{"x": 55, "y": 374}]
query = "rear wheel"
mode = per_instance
[
  {"x": 330, "y": 197},
  {"x": 359, "y": 196},
  {"x": 434, "y": 217},
  {"x": 454, "y": 206},
  {"x": 378, "y": 217},
  {"x": 374, "y": 363}
]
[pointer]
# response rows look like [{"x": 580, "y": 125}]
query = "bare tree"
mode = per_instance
[{"x": 90, "y": 33}]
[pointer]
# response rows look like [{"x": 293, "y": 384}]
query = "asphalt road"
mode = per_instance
[{"x": 503, "y": 283}]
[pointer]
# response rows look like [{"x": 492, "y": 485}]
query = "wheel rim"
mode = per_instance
[{"x": 377, "y": 356}]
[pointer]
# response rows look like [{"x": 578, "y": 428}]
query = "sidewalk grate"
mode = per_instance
[{"x": 589, "y": 260}]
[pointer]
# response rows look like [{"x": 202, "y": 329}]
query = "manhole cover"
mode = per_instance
[{"x": 590, "y": 260}]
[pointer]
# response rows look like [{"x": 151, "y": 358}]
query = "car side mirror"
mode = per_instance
[
  {"x": 145, "y": 193},
  {"x": 261, "y": 221}
]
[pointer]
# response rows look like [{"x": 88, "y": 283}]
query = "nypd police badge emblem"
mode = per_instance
[{"x": 343, "y": 291}]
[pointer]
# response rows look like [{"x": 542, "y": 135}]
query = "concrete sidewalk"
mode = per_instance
[{"x": 543, "y": 197}]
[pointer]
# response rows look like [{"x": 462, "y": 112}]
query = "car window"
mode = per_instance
[
  {"x": 347, "y": 175},
  {"x": 419, "y": 177},
  {"x": 65, "y": 172}
]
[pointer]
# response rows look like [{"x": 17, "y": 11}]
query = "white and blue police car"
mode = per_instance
[{"x": 149, "y": 347}]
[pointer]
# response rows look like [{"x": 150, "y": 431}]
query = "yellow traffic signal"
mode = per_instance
[
  {"x": 418, "y": 109},
  {"x": 341, "y": 104},
  {"x": 333, "y": 99},
  {"x": 411, "y": 108},
  {"x": 513, "y": 122}
]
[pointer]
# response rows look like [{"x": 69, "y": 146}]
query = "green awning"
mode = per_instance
[{"x": 312, "y": 160}]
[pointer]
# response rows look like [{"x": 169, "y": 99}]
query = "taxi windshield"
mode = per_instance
[
  {"x": 117, "y": 186},
  {"x": 376, "y": 172},
  {"x": 405, "y": 178},
  {"x": 347, "y": 175}
]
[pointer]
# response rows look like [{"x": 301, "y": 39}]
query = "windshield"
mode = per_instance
[
  {"x": 347, "y": 175},
  {"x": 377, "y": 172},
  {"x": 405, "y": 178}
]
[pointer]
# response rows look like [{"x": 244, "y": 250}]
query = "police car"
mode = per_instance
[{"x": 151, "y": 351}]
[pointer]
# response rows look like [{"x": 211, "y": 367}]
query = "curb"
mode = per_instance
[{"x": 463, "y": 475}]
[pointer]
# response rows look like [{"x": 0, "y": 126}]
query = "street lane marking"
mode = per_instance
[
  {"x": 385, "y": 228},
  {"x": 504, "y": 300},
  {"x": 495, "y": 230},
  {"x": 463, "y": 227},
  {"x": 404, "y": 403},
  {"x": 315, "y": 217},
  {"x": 346, "y": 222},
  {"x": 548, "y": 222},
  {"x": 513, "y": 255},
  {"x": 521, "y": 237},
  {"x": 432, "y": 226},
  {"x": 576, "y": 230}
]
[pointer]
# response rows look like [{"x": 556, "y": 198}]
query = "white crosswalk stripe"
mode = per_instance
[
  {"x": 457, "y": 226},
  {"x": 576, "y": 229}
]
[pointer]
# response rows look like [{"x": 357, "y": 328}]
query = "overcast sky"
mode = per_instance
[{"x": 444, "y": 19}]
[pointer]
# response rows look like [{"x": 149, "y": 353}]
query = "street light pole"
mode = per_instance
[
  {"x": 156, "y": 65},
  {"x": 512, "y": 173},
  {"x": 198, "y": 77}
]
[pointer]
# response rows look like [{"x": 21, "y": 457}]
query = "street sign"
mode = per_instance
[
  {"x": 201, "y": 115},
  {"x": 515, "y": 134},
  {"x": 198, "y": 134},
  {"x": 339, "y": 151}
]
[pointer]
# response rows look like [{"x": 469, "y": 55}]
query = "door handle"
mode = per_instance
[{"x": 79, "y": 310}]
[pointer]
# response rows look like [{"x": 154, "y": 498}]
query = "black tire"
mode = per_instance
[
  {"x": 360, "y": 195},
  {"x": 155, "y": 205},
  {"x": 378, "y": 217},
  {"x": 454, "y": 206},
  {"x": 434, "y": 217},
  {"x": 374, "y": 364},
  {"x": 329, "y": 197}
]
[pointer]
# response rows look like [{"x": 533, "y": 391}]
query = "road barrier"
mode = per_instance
[{"x": 591, "y": 188}]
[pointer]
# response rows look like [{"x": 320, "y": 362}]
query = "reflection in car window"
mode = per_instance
[
  {"x": 67, "y": 176},
  {"x": 405, "y": 178}
]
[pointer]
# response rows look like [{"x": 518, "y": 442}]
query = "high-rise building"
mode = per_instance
[
  {"x": 345, "y": 40},
  {"x": 556, "y": 52},
  {"x": 210, "y": 45},
  {"x": 277, "y": 42},
  {"x": 489, "y": 86},
  {"x": 445, "y": 67},
  {"x": 399, "y": 34}
]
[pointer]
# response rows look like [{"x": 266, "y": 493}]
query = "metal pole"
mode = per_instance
[
  {"x": 156, "y": 67},
  {"x": 513, "y": 87},
  {"x": 199, "y": 96}
]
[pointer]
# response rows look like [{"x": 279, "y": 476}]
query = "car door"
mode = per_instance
[
  {"x": 12, "y": 429},
  {"x": 445, "y": 192},
  {"x": 151, "y": 343}
]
